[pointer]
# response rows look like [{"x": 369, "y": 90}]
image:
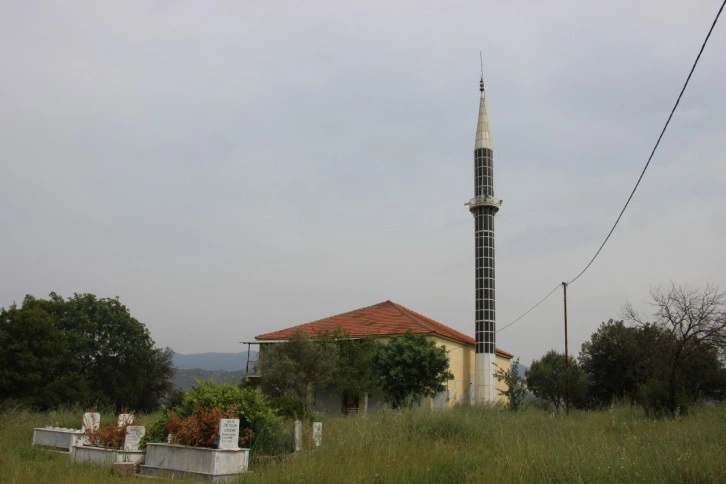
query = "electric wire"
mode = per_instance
[
  {"x": 530, "y": 309},
  {"x": 670, "y": 116},
  {"x": 642, "y": 173}
]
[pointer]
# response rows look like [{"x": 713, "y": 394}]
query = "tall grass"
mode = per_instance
[
  {"x": 21, "y": 462},
  {"x": 459, "y": 445},
  {"x": 490, "y": 445}
]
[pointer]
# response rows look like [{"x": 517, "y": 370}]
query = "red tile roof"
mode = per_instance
[{"x": 382, "y": 319}]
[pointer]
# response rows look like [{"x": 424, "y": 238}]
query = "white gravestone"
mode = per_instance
[
  {"x": 229, "y": 433},
  {"x": 134, "y": 434},
  {"x": 125, "y": 419},
  {"x": 91, "y": 421},
  {"x": 317, "y": 433},
  {"x": 298, "y": 435}
]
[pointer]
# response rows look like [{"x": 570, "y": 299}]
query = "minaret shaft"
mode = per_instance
[{"x": 484, "y": 207}]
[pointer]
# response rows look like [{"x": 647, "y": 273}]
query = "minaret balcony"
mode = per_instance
[{"x": 483, "y": 201}]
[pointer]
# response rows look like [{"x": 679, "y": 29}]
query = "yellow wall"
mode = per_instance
[{"x": 461, "y": 364}]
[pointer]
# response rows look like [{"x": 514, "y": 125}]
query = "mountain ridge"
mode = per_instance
[{"x": 212, "y": 361}]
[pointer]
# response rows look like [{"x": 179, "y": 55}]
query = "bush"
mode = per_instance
[
  {"x": 515, "y": 386},
  {"x": 110, "y": 436},
  {"x": 156, "y": 432},
  {"x": 195, "y": 421},
  {"x": 201, "y": 428},
  {"x": 655, "y": 398}
]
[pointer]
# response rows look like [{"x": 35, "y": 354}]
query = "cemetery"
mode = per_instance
[{"x": 121, "y": 445}]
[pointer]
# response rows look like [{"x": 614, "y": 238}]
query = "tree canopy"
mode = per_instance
[
  {"x": 410, "y": 367},
  {"x": 297, "y": 367},
  {"x": 84, "y": 350},
  {"x": 692, "y": 324},
  {"x": 407, "y": 368},
  {"x": 355, "y": 373},
  {"x": 301, "y": 365},
  {"x": 664, "y": 361},
  {"x": 548, "y": 378},
  {"x": 616, "y": 360}
]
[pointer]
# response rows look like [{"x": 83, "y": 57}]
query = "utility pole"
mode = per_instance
[{"x": 567, "y": 355}]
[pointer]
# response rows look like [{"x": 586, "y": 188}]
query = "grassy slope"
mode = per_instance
[{"x": 461, "y": 445}]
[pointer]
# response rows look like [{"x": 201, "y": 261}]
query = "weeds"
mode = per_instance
[{"x": 465, "y": 444}]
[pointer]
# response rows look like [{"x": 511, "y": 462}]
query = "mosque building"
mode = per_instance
[{"x": 472, "y": 361}]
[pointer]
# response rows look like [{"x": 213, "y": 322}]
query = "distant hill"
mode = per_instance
[
  {"x": 185, "y": 379},
  {"x": 213, "y": 361}
]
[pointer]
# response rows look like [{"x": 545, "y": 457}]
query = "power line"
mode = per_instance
[
  {"x": 642, "y": 173},
  {"x": 530, "y": 309},
  {"x": 703, "y": 46}
]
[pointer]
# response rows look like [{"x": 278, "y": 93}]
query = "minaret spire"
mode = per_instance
[
  {"x": 484, "y": 207},
  {"x": 481, "y": 65},
  {"x": 483, "y": 138}
]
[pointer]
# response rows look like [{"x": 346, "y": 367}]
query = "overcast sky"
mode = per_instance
[{"x": 233, "y": 168}]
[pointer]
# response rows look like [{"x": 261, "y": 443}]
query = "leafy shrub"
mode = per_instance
[
  {"x": 156, "y": 432},
  {"x": 515, "y": 386},
  {"x": 195, "y": 421},
  {"x": 110, "y": 436},
  {"x": 250, "y": 406},
  {"x": 201, "y": 428}
]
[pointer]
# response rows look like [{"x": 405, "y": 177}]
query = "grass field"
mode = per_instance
[{"x": 459, "y": 445}]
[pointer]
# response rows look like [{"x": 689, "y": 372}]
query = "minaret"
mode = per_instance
[{"x": 484, "y": 206}]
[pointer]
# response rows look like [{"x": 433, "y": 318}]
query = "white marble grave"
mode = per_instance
[
  {"x": 317, "y": 433},
  {"x": 228, "y": 433},
  {"x": 59, "y": 438},
  {"x": 134, "y": 434},
  {"x": 91, "y": 421},
  {"x": 125, "y": 419},
  {"x": 194, "y": 463},
  {"x": 298, "y": 435}
]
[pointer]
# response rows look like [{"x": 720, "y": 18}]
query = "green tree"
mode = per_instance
[
  {"x": 616, "y": 361},
  {"x": 115, "y": 352},
  {"x": 692, "y": 327},
  {"x": 411, "y": 367},
  {"x": 548, "y": 378},
  {"x": 31, "y": 349},
  {"x": 297, "y": 367},
  {"x": 516, "y": 385},
  {"x": 160, "y": 382},
  {"x": 91, "y": 350},
  {"x": 355, "y": 372}
]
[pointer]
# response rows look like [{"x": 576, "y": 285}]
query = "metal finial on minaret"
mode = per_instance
[
  {"x": 484, "y": 207},
  {"x": 481, "y": 79}
]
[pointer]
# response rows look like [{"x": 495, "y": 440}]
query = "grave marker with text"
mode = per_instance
[{"x": 229, "y": 433}]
